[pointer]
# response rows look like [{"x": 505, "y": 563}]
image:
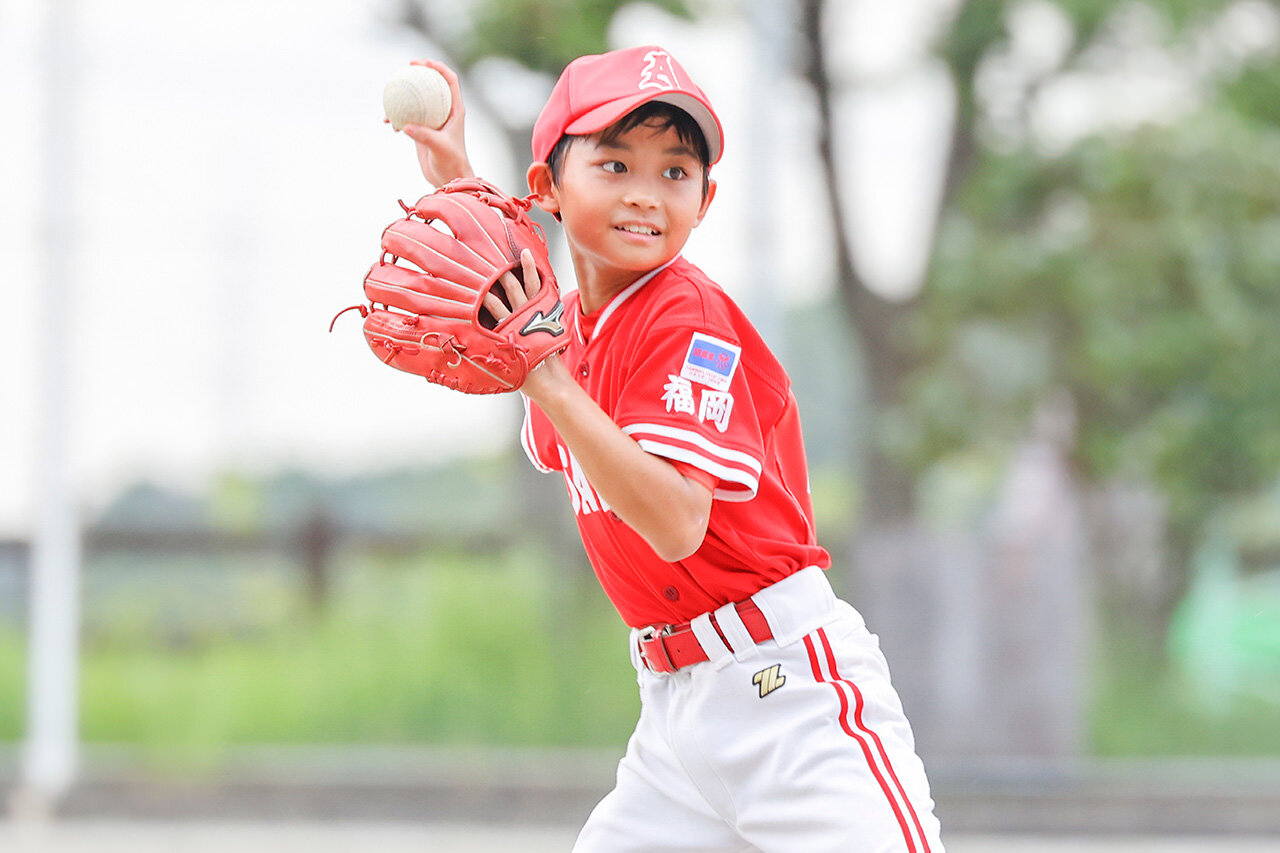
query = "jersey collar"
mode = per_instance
[{"x": 616, "y": 302}]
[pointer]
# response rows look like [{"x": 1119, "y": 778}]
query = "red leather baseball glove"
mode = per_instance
[{"x": 434, "y": 309}]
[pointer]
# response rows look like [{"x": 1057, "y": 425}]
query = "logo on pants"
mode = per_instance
[{"x": 769, "y": 679}]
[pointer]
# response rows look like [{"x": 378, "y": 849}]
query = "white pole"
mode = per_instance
[{"x": 50, "y": 759}]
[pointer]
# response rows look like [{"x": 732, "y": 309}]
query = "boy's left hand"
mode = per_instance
[
  {"x": 473, "y": 304},
  {"x": 517, "y": 294}
]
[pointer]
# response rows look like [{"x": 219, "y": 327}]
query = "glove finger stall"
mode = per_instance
[
  {"x": 475, "y": 225},
  {"x": 419, "y": 293},
  {"x": 435, "y": 251}
]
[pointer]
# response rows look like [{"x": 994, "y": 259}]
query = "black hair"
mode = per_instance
[{"x": 661, "y": 116}]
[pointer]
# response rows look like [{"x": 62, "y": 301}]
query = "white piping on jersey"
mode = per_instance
[
  {"x": 620, "y": 298},
  {"x": 744, "y": 459},
  {"x": 526, "y": 439},
  {"x": 697, "y": 460}
]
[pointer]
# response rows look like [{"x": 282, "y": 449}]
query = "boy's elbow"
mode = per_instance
[
  {"x": 675, "y": 551},
  {"x": 682, "y": 540}
]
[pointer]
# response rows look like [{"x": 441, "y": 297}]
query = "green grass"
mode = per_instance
[
  {"x": 186, "y": 663},
  {"x": 1144, "y": 711},
  {"x": 456, "y": 652}
]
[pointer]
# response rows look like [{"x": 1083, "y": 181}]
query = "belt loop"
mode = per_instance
[
  {"x": 717, "y": 652},
  {"x": 797, "y": 604},
  {"x": 637, "y": 660},
  {"x": 740, "y": 639}
]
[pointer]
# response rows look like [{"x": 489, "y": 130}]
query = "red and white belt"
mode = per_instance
[{"x": 666, "y": 648}]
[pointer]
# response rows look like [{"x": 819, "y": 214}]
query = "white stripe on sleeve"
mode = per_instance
[
  {"x": 738, "y": 472},
  {"x": 526, "y": 439}
]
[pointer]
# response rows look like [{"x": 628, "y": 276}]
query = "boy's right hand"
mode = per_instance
[{"x": 442, "y": 153}]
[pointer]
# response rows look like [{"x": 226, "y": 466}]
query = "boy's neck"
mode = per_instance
[
  {"x": 596, "y": 288},
  {"x": 596, "y": 291}
]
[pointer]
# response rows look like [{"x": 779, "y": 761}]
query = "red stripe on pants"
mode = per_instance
[{"x": 835, "y": 681}]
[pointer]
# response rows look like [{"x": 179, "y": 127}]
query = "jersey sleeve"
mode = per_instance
[{"x": 687, "y": 399}]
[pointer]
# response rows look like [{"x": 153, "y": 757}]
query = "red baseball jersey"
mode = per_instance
[{"x": 678, "y": 366}]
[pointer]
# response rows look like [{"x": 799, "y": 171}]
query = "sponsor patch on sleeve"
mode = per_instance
[{"x": 710, "y": 361}]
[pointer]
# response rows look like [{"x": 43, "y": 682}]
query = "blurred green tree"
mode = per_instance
[
  {"x": 1136, "y": 268},
  {"x": 547, "y": 36},
  {"x": 973, "y": 42},
  {"x": 1139, "y": 271}
]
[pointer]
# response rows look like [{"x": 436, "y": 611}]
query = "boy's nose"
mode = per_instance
[{"x": 640, "y": 196}]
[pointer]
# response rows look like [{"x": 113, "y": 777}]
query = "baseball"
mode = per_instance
[{"x": 417, "y": 95}]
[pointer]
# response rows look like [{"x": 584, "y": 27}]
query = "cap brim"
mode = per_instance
[{"x": 596, "y": 120}]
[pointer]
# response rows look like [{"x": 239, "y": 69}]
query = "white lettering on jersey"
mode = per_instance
[
  {"x": 584, "y": 497},
  {"x": 678, "y": 394},
  {"x": 568, "y": 481},
  {"x": 716, "y": 406}
]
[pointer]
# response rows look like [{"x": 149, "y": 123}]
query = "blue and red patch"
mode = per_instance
[{"x": 710, "y": 361}]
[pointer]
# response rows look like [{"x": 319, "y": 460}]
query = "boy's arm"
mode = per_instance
[
  {"x": 442, "y": 154},
  {"x": 669, "y": 510}
]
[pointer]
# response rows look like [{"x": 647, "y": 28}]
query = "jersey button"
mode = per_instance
[
  {"x": 583, "y": 370},
  {"x": 671, "y": 594}
]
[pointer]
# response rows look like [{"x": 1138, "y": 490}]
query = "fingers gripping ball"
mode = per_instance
[
  {"x": 428, "y": 291},
  {"x": 417, "y": 95}
]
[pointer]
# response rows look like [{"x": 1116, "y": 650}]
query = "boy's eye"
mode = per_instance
[
  {"x": 614, "y": 166},
  {"x": 675, "y": 173}
]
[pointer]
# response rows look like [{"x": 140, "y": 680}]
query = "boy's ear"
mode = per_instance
[
  {"x": 543, "y": 188},
  {"x": 706, "y": 202}
]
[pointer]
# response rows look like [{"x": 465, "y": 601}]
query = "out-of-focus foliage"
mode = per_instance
[
  {"x": 1139, "y": 271},
  {"x": 1001, "y": 57},
  {"x": 542, "y": 35},
  {"x": 546, "y": 36},
  {"x": 1142, "y": 275},
  {"x": 1256, "y": 93}
]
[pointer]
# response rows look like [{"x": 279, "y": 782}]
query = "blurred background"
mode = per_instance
[{"x": 1021, "y": 259}]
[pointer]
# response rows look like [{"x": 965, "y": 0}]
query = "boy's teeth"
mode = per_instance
[{"x": 638, "y": 229}]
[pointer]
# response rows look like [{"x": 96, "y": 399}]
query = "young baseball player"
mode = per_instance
[{"x": 768, "y": 721}]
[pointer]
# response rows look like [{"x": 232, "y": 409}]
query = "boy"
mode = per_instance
[{"x": 767, "y": 718}]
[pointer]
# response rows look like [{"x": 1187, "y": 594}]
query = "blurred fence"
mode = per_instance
[{"x": 311, "y": 547}]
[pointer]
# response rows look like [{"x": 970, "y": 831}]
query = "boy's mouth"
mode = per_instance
[{"x": 635, "y": 228}]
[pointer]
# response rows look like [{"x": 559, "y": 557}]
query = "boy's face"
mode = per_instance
[{"x": 629, "y": 205}]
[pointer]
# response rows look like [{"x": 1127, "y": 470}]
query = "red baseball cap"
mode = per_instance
[{"x": 595, "y": 91}]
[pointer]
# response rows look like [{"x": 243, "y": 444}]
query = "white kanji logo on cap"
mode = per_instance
[{"x": 658, "y": 71}]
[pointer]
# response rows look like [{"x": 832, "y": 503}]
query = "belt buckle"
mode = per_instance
[{"x": 653, "y": 635}]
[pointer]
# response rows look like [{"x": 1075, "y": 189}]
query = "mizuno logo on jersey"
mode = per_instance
[
  {"x": 710, "y": 361},
  {"x": 769, "y": 679}
]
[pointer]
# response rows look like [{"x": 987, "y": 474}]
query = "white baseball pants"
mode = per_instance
[{"x": 795, "y": 745}]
